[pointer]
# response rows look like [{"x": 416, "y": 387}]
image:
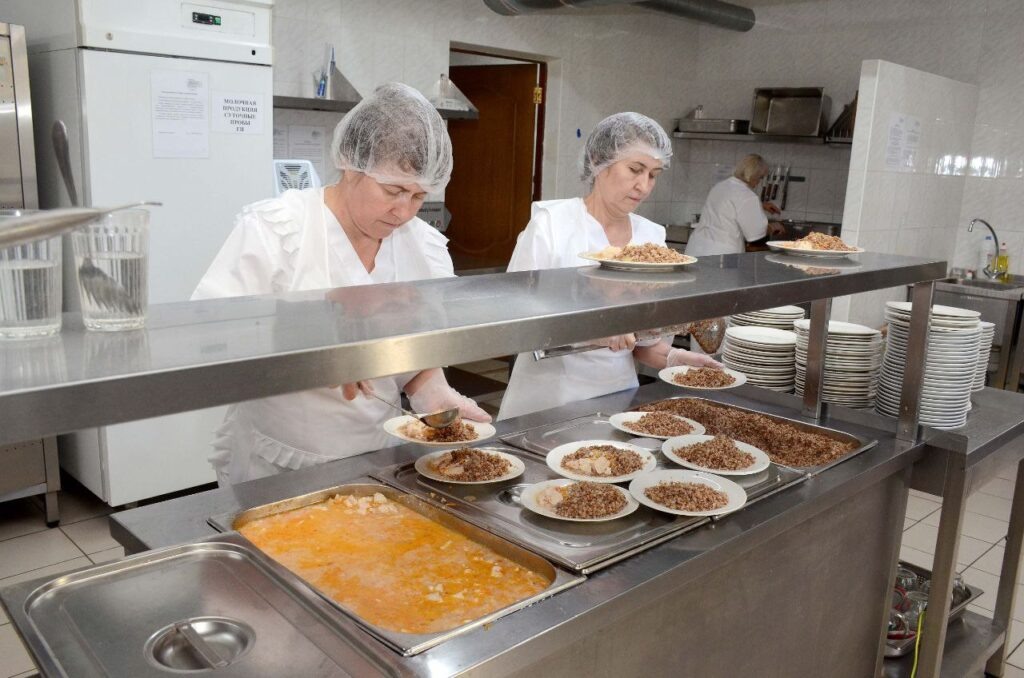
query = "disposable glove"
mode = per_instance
[
  {"x": 435, "y": 395},
  {"x": 620, "y": 342},
  {"x": 678, "y": 356},
  {"x": 350, "y": 391}
]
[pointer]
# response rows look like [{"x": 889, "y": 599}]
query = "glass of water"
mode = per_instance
[
  {"x": 30, "y": 288},
  {"x": 111, "y": 266}
]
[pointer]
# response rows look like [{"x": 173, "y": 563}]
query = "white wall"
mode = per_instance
[{"x": 905, "y": 202}]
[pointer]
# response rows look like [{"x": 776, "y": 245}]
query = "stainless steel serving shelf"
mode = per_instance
[{"x": 200, "y": 354}]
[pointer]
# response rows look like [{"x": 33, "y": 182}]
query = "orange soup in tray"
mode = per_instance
[{"x": 392, "y": 566}]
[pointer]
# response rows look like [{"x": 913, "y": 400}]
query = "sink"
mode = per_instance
[{"x": 1010, "y": 287}]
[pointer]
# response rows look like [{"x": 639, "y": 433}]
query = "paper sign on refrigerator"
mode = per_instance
[
  {"x": 181, "y": 114},
  {"x": 237, "y": 113}
]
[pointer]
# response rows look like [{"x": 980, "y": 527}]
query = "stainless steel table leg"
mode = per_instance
[
  {"x": 951, "y": 518},
  {"x": 1007, "y": 595},
  {"x": 51, "y": 468},
  {"x": 894, "y": 526},
  {"x": 816, "y": 342},
  {"x": 913, "y": 371}
]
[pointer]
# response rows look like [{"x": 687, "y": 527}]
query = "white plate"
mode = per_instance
[
  {"x": 838, "y": 328},
  {"x": 937, "y": 309},
  {"x": 761, "y": 460},
  {"x": 761, "y": 335},
  {"x": 620, "y": 420},
  {"x": 668, "y": 373},
  {"x": 785, "y": 247},
  {"x": 613, "y": 265},
  {"x": 528, "y": 499},
  {"x": 483, "y": 432},
  {"x": 737, "y": 496},
  {"x": 424, "y": 465},
  {"x": 556, "y": 455}
]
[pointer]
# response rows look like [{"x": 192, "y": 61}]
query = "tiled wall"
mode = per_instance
[
  {"x": 994, "y": 187},
  {"x": 904, "y": 198},
  {"x": 699, "y": 164},
  {"x": 600, "y": 61},
  {"x": 822, "y": 43}
]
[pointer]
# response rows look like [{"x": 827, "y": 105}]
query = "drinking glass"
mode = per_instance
[
  {"x": 906, "y": 579},
  {"x": 30, "y": 287},
  {"x": 111, "y": 261}
]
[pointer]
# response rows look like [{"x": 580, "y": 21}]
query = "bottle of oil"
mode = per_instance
[{"x": 1003, "y": 260}]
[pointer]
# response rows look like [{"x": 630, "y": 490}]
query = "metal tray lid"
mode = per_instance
[{"x": 198, "y": 608}]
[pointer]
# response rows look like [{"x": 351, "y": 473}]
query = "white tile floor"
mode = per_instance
[{"x": 29, "y": 550}]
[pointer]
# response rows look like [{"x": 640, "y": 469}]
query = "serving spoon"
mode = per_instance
[{"x": 433, "y": 420}]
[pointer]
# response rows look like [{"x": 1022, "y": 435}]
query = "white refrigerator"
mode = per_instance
[{"x": 164, "y": 100}]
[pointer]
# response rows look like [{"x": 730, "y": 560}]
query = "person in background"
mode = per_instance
[
  {"x": 733, "y": 213},
  {"x": 392, "y": 149},
  {"x": 622, "y": 160}
]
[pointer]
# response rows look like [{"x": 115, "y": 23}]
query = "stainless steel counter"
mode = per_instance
[
  {"x": 754, "y": 558},
  {"x": 201, "y": 354}
]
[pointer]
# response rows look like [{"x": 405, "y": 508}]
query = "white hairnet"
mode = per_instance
[
  {"x": 621, "y": 134},
  {"x": 396, "y": 136}
]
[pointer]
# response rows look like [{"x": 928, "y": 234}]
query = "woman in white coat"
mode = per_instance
[
  {"x": 733, "y": 214},
  {"x": 623, "y": 157},
  {"x": 392, "y": 149}
]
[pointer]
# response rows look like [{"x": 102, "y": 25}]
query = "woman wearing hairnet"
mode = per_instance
[
  {"x": 392, "y": 149},
  {"x": 623, "y": 157},
  {"x": 733, "y": 214}
]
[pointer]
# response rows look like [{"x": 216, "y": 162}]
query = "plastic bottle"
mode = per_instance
[
  {"x": 1003, "y": 260},
  {"x": 986, "y": 251}
]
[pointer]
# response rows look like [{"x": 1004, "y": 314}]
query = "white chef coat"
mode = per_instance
[
  {"x": 559, "y": 230},
  {"x": 732, "y": 216},
  {"x": 291, "y": 243}
]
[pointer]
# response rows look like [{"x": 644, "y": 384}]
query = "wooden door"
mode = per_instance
[{"x": 492, "y": 183}]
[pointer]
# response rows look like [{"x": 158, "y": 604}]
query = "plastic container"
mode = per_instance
[
  {"x": 1003, "y": 260},
  {"x": 986, "y": 251}
]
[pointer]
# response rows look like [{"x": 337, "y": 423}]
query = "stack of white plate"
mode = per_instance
[
  {"x": 780, "y": 318},
  {"x": 764, "y": 354},
  {"x": 853, "y": 357},
  {"x": 988, "y": 331},
  {"x": 954, "y": 336}
]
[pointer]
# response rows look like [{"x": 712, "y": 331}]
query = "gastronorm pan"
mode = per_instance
[
  {"x": 860, "y": 444},
  {"x": 410, "y": 643}
]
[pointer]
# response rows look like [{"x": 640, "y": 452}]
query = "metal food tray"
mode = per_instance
[
  {"x": 543, "y": 439},
  {"x": 863, "y": 444},
  {"x": 584, "y": 547},
  {"x": 410, "y": 643},
  {"x": 898, "y": 647},
  {"x": 217, "y": 601}
]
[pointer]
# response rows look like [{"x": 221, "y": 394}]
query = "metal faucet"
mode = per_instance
[{"x": 988, "y": 270}]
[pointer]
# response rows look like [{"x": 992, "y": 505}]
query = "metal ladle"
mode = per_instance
[{"x": 433, "y": 420}]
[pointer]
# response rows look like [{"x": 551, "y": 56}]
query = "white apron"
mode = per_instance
[
  {"x": 294, "y": 243},
  {"x": 559, "y": 230}
]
